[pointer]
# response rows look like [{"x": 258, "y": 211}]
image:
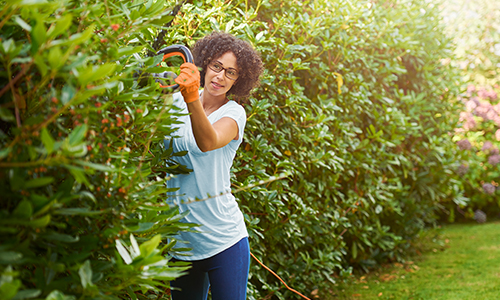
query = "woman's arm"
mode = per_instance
[
  {"x": 208, "y": 137},
  {"x": 211, "y": 136}
]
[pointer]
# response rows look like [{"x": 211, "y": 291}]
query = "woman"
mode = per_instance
[{"x": 211, "y": 134}]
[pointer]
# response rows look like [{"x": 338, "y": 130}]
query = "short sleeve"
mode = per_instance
[{"x": 237, "y": 113}]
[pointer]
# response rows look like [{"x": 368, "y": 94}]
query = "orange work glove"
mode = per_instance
[{"x": 189, "y": 82}]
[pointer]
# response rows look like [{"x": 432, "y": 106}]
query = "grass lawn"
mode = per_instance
[{"x": 467, "y": 267}]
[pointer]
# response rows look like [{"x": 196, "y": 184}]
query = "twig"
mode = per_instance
[
  {"x": 13, "y": 81},
  {"x": 7, "y": 17}
]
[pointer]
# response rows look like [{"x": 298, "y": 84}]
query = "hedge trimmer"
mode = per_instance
[{"x": 165, "y": 78}]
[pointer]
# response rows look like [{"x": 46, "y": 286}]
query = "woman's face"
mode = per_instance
[{"x": 218, "y": 84}]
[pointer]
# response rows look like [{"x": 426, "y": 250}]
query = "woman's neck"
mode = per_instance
[{"x": 211, "y": 104}]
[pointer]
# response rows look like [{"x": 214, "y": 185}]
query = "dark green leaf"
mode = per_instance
[
  {"x": 24, "y": 210},
  {"x": 47, "y": 140},
  {"x": 27, "y": 294},
  {"x": 85, "y": 273},
  {"x": 148, "y": 246},
  {"x": 77, "y": 211},
  {"x": 60, "y": 237},
  {"x": 38, "y": 182},
  {"x": 10, "y": 257},
  {"x": 6, "y": 115},
  {"x": 76, "y": 136},
  {"x": 38, "y": 35},
  {"x": 61, "y": 26}
]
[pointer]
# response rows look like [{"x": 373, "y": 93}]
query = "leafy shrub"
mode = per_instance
[
  {"x": 82, "y": 213},
  {"x": 347, "y": 154},
  {"x": 355, "y": 111}
]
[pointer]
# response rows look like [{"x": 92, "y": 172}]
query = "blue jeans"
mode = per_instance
[{"x": 226, "y": 273}]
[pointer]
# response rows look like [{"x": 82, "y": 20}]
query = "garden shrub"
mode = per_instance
[
  {"x": 82, "y": 213},
  {"x": 355, "y": 111},
  {"x": 347, "y": 153}
]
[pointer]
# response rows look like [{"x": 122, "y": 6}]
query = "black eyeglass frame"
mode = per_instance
[{"x": 210, "y": 65}]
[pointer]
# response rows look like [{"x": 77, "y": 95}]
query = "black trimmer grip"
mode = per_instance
[{"x": 176, "y": 50}]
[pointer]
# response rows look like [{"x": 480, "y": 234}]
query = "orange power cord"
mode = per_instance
[{"x": 265, "y": 267}]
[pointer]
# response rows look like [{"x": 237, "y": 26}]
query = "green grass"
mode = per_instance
[{"x": 467, "y": 267}]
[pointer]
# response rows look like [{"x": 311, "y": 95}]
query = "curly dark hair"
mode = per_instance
[{"x": 248, "y": 61}]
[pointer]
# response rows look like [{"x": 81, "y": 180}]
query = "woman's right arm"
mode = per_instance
[{"x": 208, "y": 136}]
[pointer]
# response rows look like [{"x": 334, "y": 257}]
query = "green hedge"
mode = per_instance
[
  {"x": 355, "y": 109},
  {"x": 347, "y": 154}
]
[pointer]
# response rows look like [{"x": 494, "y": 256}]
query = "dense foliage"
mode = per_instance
[
  {"x": 371, "y": 160},
  {"x": 355, "y": 110},
  {"x": 82, "y": 213},
  {"x": 347, "y": 154}
]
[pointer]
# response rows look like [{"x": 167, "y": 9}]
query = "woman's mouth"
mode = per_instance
[{"x": 215, "y": 85}]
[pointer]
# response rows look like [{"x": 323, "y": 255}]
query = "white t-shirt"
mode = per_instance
[{"x": 222, "y": 223}]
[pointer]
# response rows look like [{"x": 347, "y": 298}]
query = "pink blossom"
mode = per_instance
[
  {"x": 476, "y": 100},
  {"x": 494, "y": 159},
  {"x": 485, "y": 104},
  {"x": 470, "y": 105},
  {"x": 489, "y": 188},
  {"x": 486, "y": 111},
  {"x": 493, "y": 95},
  {"x": 491, "y": 114},
  {"x": 496, "y": 119},
  {"x": 487, "y": 145},
  {"x": 480, "y": 216},
  {"x": 487, "y": 95},
  {"x": 482, "y": 93},
  {"x": 469, "y": 123},
  {"x": 464, "y": 144},
  {"x": 462, "y": 169},
  {"x": 471, "y": 88},
  {"x": 496, "y": 107}
]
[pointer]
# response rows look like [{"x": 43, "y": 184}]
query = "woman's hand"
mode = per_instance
[{"x": 189, "y": 82}]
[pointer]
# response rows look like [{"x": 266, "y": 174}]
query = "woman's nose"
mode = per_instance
[{"x": 220, "y": 75}]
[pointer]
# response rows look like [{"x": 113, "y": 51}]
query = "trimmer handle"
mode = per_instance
[{"x": 176, "y": 50}]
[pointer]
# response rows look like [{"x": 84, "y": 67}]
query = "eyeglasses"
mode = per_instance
[{"x": 231, "y": 73}]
